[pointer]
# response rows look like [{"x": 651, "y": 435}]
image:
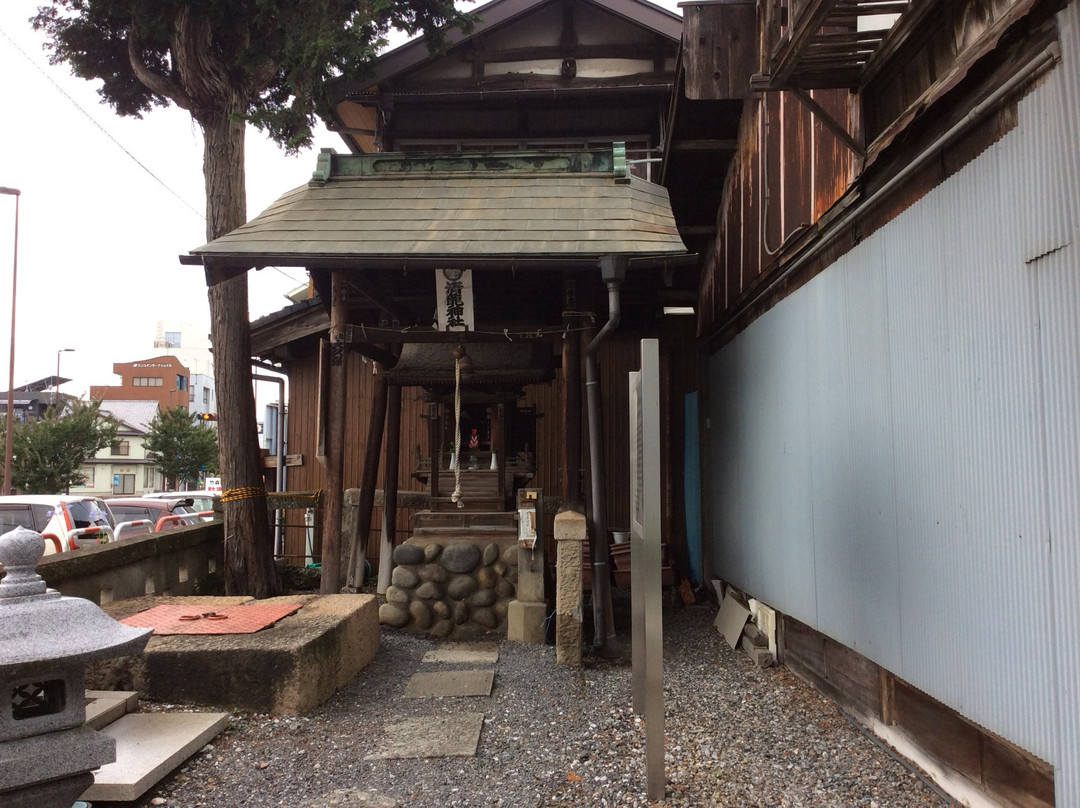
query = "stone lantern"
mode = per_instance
[{"x": 47, "y": 755}]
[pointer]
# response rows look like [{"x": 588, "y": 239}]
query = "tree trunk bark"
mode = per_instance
[{"x": 249, "y": 552}]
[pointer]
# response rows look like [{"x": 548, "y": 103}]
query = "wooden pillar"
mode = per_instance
[
  {"x": 570, "y": 482},
  {"x": 390, "y": 486},
  {"x": 330, "y": 579},
  {"x": 368, "y": 480},
  {"x": 434, "y": 445},
  {"x": 499, "y": 447}
]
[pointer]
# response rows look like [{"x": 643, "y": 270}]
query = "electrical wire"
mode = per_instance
[{"x": 104, "y": 131}]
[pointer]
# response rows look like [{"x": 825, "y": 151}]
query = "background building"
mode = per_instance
[
  {"x": 162, "y": 379},
  {"x": 123, "y": 468}
]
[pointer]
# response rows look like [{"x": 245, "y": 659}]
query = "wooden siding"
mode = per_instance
[{"x": 805, "y": 171}]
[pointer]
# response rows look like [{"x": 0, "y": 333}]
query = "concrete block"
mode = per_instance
[
  {"x": 437, "y": 736},
  {"x": 287, "y": 669},
  {"x": 525, "y": 621},
  {"x": 148, "y": 747},
  {"x": 475, "y": 653},
  {"x": 449, "y": 683}
]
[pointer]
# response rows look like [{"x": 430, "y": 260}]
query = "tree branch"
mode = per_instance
[{"x": 157, "y": 83}]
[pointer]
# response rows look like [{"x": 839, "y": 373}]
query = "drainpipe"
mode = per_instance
[
  {"x": 613, "y": 271},
  {"x": 279, "y": 449}
]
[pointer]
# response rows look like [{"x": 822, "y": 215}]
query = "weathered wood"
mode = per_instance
[
  {"x": 330, "y": 579},
  {"x": 725, "y": 51},
  {"x": 393, "y": 459},
  {"x": 570, "y": 483},
  {"x": 368, "y": 481},
  {"x": 270, "y": 461}
]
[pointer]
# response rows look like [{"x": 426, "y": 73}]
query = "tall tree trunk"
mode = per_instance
[{"x": 249, "y": 552}]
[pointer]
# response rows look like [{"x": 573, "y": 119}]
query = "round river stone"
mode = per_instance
[{"x": 461, "y": 557}]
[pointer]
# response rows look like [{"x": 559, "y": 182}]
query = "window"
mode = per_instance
[
  {"x": 87, "y": 476},
  {"x": 146, "y": 381},
  {"x": 181, "y": 382},
  {"x": 123, "y": 484},
  {"x": 150, "y": 477},
  {"x": 121, "y": 447},
  {"x": 172, "y": 339}
]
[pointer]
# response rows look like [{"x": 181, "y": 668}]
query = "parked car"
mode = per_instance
[
  {"x": 66, "y": 522},
  {"x": 160, "y": 513},
  {"x": 202, "y": 501}
]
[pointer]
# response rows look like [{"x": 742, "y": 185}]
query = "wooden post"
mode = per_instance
[
  {"x": 330, "y": 580},
  {"x": 570, "y": 482},
  {"x": 499, "y": 447},
  {"x": 434, "y": 445},
  {"x": 369, "y": 480},
  {"x": 390, "y": 485}
]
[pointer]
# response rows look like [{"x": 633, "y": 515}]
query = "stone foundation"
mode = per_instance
[{"x": 453, "y": 588}]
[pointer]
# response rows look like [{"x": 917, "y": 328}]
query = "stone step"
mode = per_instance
[
  {"x": 105, "y": 706},
  {"x": 148, "y": 747}
]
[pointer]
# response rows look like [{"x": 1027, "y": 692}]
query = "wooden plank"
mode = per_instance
[
  {"x": 1016, "y": 776},
  {"x": 270, "y": 461},
  {"x": 939, "y": 730}
]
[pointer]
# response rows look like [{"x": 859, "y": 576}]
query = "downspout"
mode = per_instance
[
  {"x": 279, "y": 450},
  {"x": 612, "y": 271}
]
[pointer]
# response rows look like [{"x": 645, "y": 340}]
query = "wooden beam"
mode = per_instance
[
  {"x": 829, "y": 122},
  {"x": 785, "y": 57},
  {"x": 705, "y": 144},
  {"x": 546, "y": 53}
]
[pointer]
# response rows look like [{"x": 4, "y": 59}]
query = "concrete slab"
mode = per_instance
[
  {"x": 105, "y": 706},
  {"x": 148, "y": 747},
  {"x": 444, "y": 736},
  {"x": 472, "y": 653},
  {"x": 450, "y": 683},
  {"x": 287, "y": 669}
]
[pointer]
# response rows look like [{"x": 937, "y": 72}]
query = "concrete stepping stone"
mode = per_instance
[
  {"x": 105, "y": 706},
  {"x": 148, "y": 747},
  {"x": 437, "y": 736},
  {"x": 450, "y": 683},
  {"x": 475, "y": 653}
]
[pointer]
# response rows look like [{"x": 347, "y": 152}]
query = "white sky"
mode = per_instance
[{"x": 99, "y": 237}]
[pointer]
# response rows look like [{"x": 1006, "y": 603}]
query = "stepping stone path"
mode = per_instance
[{"x": 443, "y": 736}]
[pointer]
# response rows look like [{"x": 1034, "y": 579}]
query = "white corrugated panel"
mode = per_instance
[{"x": 896, "y": 445}]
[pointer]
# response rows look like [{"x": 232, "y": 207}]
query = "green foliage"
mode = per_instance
[
  {"x": 181, "y": 446},
  {"x": 47, "y": 455},
  {"x": 268, "y": 61}
]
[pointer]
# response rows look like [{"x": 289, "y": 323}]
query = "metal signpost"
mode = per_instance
[{"x": 645, "y": 561}]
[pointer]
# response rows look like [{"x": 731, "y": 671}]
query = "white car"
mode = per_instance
[
  {"x": 65, "y": 522},
  {"x": 202, "y": 501}
]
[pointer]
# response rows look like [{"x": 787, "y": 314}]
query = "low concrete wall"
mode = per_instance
[{"x": 168, "y": 563}]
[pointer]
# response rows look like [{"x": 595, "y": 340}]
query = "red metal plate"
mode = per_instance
[{"x": 245, "y": 618}]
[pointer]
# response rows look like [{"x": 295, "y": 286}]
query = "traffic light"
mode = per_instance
[{"x": 209, "y": 416}]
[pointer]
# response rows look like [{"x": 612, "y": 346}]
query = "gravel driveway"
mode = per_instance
[{"x": 557, "y": 736}]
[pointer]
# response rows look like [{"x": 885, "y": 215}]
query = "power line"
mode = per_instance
[{"x": 105, "y": 131}]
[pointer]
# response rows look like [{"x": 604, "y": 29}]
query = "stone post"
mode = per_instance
[{"x": 570, "y": 533}]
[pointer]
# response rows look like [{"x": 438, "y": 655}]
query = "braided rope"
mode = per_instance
[
  {"x": 456, "y": 496},
  {"x": 245, "y": 492}
]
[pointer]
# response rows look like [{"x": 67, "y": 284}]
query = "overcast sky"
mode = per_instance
[{"x": 108, "y": 204}]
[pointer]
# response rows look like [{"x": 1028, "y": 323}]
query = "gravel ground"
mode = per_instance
[{"x": 558, "y": 736}]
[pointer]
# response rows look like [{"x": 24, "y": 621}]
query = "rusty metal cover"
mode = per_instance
[{"x": 244, "y": 618}]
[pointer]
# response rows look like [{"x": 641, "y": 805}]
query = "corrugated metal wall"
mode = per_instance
[{"x": 894, "y": 447}]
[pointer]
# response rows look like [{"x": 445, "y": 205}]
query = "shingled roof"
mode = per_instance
[{"x": 383, "y": 209}]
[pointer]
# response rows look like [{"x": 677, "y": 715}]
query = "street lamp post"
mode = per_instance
[
  {"x": 9, "y": 424},
  {"x": 56, "y": 386}
]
